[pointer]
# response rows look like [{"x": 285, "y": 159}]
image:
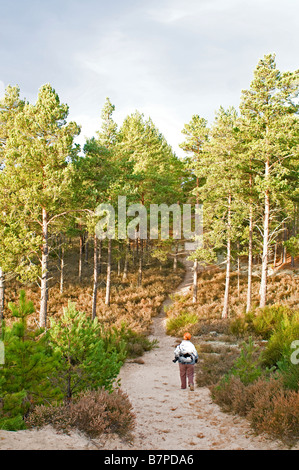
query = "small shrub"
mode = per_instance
[
  {"x": 92, "y": 412},
  {"x": 275, "y": 410},
  {"x": 135, "y": 343},
  {"x": 247, "y": 365},
  {"x": 177, "y": 324},
  {"x": 214, "y": 366},
  {"x": 15, "y": 423},
  {"x": 87, "y": 359},
  {"x": 285, "y": 333},
  {"x": 29, "y": 361},
  {"x": 230, "y": 394},
  {"x": 265, "y": 403},
  {"x": 289, "y": 371},
  {"x": 268, "y": 319}
]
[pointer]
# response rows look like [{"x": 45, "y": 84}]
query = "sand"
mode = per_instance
[{"x": 167, "y": 418}]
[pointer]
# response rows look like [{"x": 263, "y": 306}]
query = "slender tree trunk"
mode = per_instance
[
  {"x": 99, "y": 256},
  {"x": 108, "y": 283},
  {"x": 86, "y": 250},
  {"x": 61, "y": 269},
  {"x": 284, "y": 249},
  {"x": 175, "y": 259},
  {"x": 195, "y": 272},
  {"x": 125, "y": 272},
  {"x": 44, "y": 278},
  {"x": 95, "y": 278},
  {"x": 2, "y": 296},
  {"x": 80, "y": 257},
  {"x": 249, "y": 282},
  {"x": 238, "y": 261},
  {"x": 275, "y": 255},
  {"x": 228, "y": 256},
  {"x": 140, "y": 267},
  {"x": 263, "y": 289}
]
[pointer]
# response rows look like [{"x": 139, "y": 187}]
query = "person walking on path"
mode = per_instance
[{"x": 185, "y": 353}]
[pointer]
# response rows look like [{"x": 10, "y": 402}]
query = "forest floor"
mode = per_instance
[{"x": 167, "y": 418}]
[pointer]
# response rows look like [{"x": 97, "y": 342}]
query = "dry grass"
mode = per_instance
[
  {"x": 282, "y": 289},
  {"x": 130, "y": 304}
]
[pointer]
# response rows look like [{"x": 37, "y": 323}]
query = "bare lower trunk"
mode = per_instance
[
  {"x": 44, "y": 278},
  {"x": 249, "y": 283},
  {"x": 238, "y": 275},
  {"x": 2, "y": 296},
  {"x": 275, "y": 255},
  {"x": 80, "y": 257},
  {"x": 228, "y": 256},
  {"x": 108, "y": 283},
  {"x": 86, "y": 251},
  {"x": 175, "y": 259},
  {"x": 95, "y": 278},
  {"x": 61, "y": 269},
  {"x": 99, "y": 256},
  {"x": 263, "y": 289},
  {"x": 285, "y": 237},
  {"x": 125, "y": 272},
  {"x": 194, "y": 299},
  {"x": 140, "y": 264}
]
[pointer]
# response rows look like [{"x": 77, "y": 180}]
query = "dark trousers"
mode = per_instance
[{"x": 186, "y": 372}]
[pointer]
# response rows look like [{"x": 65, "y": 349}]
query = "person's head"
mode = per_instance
[{"x": 187, "y": 336}]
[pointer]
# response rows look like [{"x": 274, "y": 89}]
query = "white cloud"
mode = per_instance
[
  {"x": 166, "y": 58},
  {"x": 167, "y": 14},
  {"x": 2, "y": 89}
]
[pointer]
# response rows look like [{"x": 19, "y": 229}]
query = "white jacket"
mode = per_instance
[{"x": 186, "y": 352}]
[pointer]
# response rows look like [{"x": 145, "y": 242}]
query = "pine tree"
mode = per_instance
[
  {"x": 222, "y": 206},
  {"x": 270, "y": 108},
  {"x": 9, "y": 106},
  {"x": 29, "y": 363},
  {"x": 197, "y": 135},
  {"x": 37, "y": 171},
  {"x": 156, "y": 176},
  {"x": 101, "y": 175},
  {"x": 86, "y": 359}
]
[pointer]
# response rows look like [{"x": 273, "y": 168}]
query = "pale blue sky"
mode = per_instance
[{"x": 169, "y": 59}]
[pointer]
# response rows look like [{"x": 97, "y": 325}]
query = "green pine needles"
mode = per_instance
[
  {"x": 29, "y": 362},
  {"x": 49, "y": 367}
]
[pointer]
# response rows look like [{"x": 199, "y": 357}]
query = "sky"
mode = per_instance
[{"x": 168, "y": 59}]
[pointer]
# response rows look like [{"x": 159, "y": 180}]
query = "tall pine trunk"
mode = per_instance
[
  {"x": 99, "y": 256},
  {"x": 140, "y": 266},
  {"x": 61, "y": 269},
  {"x": 238, "y": 264},
  {"x": 263, "y": 289},
  {"x": 108, "y": 283},
  {"x": 125, "y": 272},
  {"x": 275, "y": 255},
  {"x": 195, "y": 271},
  {"x": 228, "y": 257},
  {"x": 44, "y": 278},
  {"x": 249, "y": 282},
  {"x": 95, "y": 278},
  {"x": 175, "y": 259},
  {"x": 80, "y": 257},
  {"x": 2, "y": 295}
]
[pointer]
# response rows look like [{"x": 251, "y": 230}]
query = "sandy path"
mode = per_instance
[{"x": 168, "y": 418}]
